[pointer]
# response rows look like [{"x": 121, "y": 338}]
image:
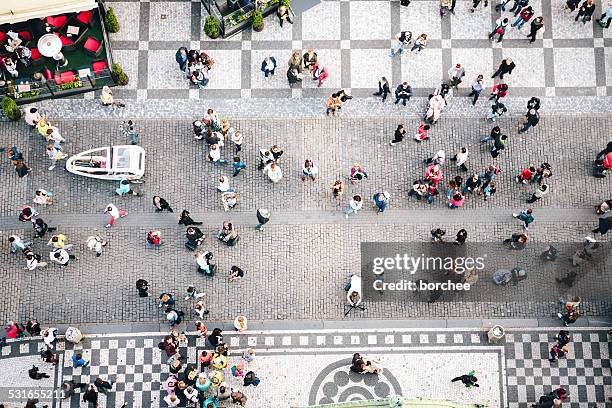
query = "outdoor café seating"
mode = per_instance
[{"x": 54, "y": 53}]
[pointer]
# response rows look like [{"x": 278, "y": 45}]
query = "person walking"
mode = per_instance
[
  {"x": 607, "y": 16},
  {"x": 499, "y": 29},
  {"x": 524, "y": 17},
  {"x": 536, "y": 25},
  {"x": 533, "y": 103},
  {"x": 160, "y": 204},
  {"x": 95, "y": 243},
  {"x": 186, "y": 220},
  {"x": 383, "y": 88},
  {"x": 420, "y": 43},
  {"x": 33, "y": 260},
  {"x": 309, "y": 170},
  {"x": 505, "y": 67},
  {"x": 238, "y": 165},
  {"x": 129, "y": 129},
  {"x": 143, "y": 288},
  {"x": 91, "y": 397},
  {"x": 337, "y": 188},
  {"x": 455, "y": 75},
  {"x": 517, "y": 241},
  {"x": 115, "y": 214},
  {"x": 41, "y": 228},
  {"x": 538, "y": 194},
  {"x": 437, "y": 235},
  {"x": 404, "y": 38},
  {"x": 499, "y": 144},
  {"x": 422, "y": 132},
  {"x": 533, "y": 118},
  {"x": 585, "y": 11},
  {"x": 605, "y": 224},
  {"x": 263, "y": 216},
  {"x": 497, "y": 110},
  {"x": 476, "y": 88},
  {"x": 399, "y": 134},
  {"x": 355, "y": 204},
  {"x": 461, "y": 237},
  {"x": 461, "y": 158},
  {"x": 469, "y": 379},
  {"x": 103, "y": 385},
  {"x": 518, "y": 6},
  {"x": 498, "y": 91},
  {"x": 381, "y": 201},
  {"x": 268, "y": 66},
  {"x": 34, "y": 373},
  {"x": 525, "y": 216},
  {"x": 79, "y": 361},
  {"x": 403, "y": 92},
  {"x": 319, "y": 73},
  {"x": 332, "y": 104}
]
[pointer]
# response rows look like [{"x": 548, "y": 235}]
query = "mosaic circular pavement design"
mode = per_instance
[{"x": 336, "y": 383}]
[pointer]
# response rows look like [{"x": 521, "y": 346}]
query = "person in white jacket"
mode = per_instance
[
  {"x": 355, "y": 204},
  {"x": 224, "y": 185},
  {"x": 33, "y": 261},
  {"x": 95, "y": 243},
  {"x": 274, "y": 172},
  {"x": 32, "y": 117},
  {"x": 17, "y": 244},
  {"x": 461, "y": 158},
  {"x": 436, "y": 104},
  {"x": 115, "y": 214}
]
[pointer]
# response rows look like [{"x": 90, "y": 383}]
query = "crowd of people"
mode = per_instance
[{"x": 208, "y": 381}]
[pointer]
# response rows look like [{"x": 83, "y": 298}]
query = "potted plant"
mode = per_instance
[
  {"x": 110, "y": 21},
  {"x": 258, "y": 21},
  {"x": 118, "y": 75},
  {"x": 211, "y": 27},
  {"x": 10, "y": 108}
]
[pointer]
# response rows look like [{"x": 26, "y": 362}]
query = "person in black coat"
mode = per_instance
[
  {"x": 533, "y": 103},
  {"x": 268, "y": 66},
  {"x": 533, "y": 118},
  {"x": 399, "y": 134},
  {"x": 506, "y": 67},
  {"x": 586, "y": 11},
  {"x": 215, "y": 337},
  {"x": 194, "y": 237},
  {"x": 161, "y": 204},
  {"x": 403, "y": 93},
  {"x": 383, "y": 88},
  {"x": 187, "y": 220}
]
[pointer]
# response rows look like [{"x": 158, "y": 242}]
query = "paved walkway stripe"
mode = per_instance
[{"x": 390, "y": 216}]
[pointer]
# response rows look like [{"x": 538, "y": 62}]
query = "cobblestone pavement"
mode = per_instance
[
  {"x": 513, "y": 373},
  {"x": 308, "y": 235}
]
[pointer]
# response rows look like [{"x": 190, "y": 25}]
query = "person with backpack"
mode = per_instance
[
  {"x": 525, "y": 216},
  {"x": 250, "y": 378},
  {"x": 499, "y": 29}
]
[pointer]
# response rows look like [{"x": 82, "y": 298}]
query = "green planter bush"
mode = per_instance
[
  {"x": 258, "y": 21},
  {"x": 286, "y": 3},
  {"x": 110, "y": 21},
  {"x": 10, "y": 108},
  {"x": 118, "y": 75},
  {"x": 211, "y": 27}
]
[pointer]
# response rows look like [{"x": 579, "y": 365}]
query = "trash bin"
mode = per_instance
[
  {"x": 73, "y": 335},
  {"x": 496, "y": 334}
]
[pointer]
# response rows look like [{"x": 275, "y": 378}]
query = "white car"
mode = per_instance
[{"x": 109, "y": 163}]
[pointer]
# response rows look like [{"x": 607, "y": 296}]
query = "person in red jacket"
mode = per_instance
[
  {"x": 498, "y": 91},
  {"x": 319, "y": 73},
  {"x": 526, "y": 175},
  {"x": 525, "y": 16},
  {"x": 14, "y": 330}
]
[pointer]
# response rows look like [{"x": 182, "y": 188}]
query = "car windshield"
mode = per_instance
[{"x": 121, "y": 158}]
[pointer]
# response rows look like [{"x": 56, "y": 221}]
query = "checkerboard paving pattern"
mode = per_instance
[
  {"x": 585, "y": 372},
  {"x": 139, "y": 368},
  {"x": 135, "y": 365},
  {"x": 352, "y": 39}
]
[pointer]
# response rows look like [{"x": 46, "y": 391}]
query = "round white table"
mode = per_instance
[{"x": 49, "y": 45}]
